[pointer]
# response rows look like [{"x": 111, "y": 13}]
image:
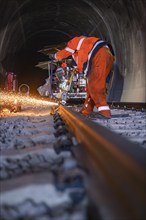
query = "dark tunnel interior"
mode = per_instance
[{"x": 26, "y": 26}]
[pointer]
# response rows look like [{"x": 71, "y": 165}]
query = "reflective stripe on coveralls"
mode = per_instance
[
  {"x": 101, "y": 108},
  {"x": 80, "y": 43},
  {"x": 78, "y": 46},
  {"x": 69, "y": 50},
  {"x": 73, "y": 51}
]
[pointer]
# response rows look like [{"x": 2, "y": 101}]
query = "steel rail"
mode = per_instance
[{"x": 116, "y": 168}]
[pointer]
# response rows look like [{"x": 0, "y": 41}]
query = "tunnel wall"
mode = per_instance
[
  {"x": 126, "y": 22},
  {"x": 130, "y": 45},
  {"x": 122, "y": 22},
  {"x": 11, "y": 29}
]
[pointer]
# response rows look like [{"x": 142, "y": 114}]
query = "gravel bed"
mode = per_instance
[
  {"x": 130, "y": 124},
  {"x": 27, "y": 164}
]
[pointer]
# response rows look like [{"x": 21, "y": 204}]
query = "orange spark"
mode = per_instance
[{"x": 8, "y": 98}]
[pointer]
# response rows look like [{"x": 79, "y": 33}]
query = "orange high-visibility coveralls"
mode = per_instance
[{"x": 81, "y": 49}]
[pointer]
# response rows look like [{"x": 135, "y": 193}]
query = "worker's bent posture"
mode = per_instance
[{"x": 95, "y": 58}]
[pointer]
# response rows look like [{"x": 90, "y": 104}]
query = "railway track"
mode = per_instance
[
  {"x": 116, "y": 166},
  {"x": 128, "y": 120},
  {"x": 76, "y": 168}
]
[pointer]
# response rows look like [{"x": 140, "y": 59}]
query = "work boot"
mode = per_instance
[
  {"x": 106, "y": 114},
  {"x": 87, "y": 107}
]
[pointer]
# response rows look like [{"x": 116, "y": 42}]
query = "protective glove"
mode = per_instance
[{"x": 51, "y": 56}]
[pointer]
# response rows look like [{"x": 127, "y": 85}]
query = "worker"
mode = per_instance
[{"x": 95, "y": 58}]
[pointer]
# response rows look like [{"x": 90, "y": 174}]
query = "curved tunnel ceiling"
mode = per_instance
[{"x": 27, "y": 26}]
